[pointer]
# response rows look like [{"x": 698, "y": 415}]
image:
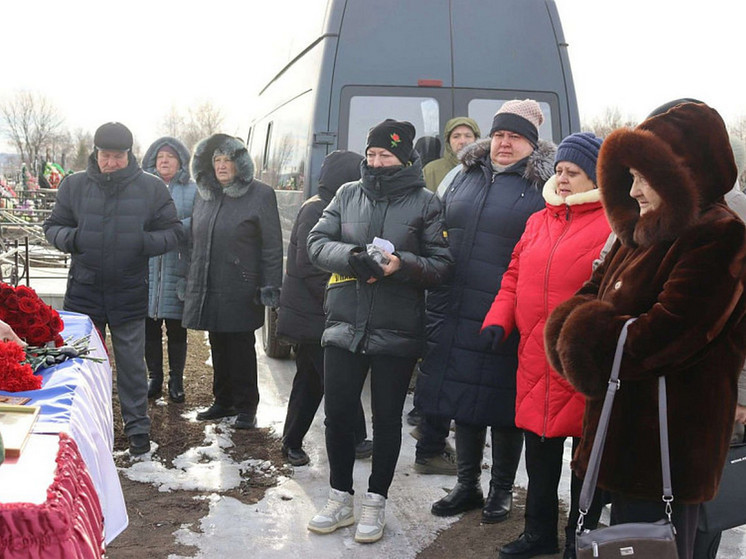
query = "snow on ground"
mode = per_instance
[{"x": 275, "y": 527}]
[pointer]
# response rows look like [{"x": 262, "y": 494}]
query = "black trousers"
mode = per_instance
[
  {"x": 433, "y": 434},
  {"x": 685, "y": 518},
  {"x": 544, "y": 468},
  {"x": 306, "y": 394},
  {"x": 344, "y": 376},
  {"x": 176, "y": 335},
  {"x": 234, "y": 382}
]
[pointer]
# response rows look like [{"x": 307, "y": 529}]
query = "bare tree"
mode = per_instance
[
  {"x": 31, "y": 121},
  {"x": 173, "y": 123},
  {"x": 200, "y": 122},
  {"x": 610, "y": 120},
  {"x": 204, "y": 120},
  {"x": 83, "y": 148}
]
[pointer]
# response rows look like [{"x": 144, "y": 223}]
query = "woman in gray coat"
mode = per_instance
[
  {"x": 168, "y": 158},
  {"x": 236, "y": 270}
]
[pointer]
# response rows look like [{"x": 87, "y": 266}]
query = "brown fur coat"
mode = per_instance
[{"x": 680, "y": 268}]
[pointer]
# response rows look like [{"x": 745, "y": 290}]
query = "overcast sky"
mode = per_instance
[{"x": 633, "y": 55}]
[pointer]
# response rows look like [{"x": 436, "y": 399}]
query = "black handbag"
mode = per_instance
[
  {"x": 727, "y": 509},
  {"x": 634, "y": 539}
]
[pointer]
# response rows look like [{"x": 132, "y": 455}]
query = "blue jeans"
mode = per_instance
[{"x": 344, "y": 376}]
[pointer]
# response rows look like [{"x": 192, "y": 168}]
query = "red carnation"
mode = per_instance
[{"x": 16, "y": 376}]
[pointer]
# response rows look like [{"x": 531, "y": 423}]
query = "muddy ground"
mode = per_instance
[{"x": 154, "y": 516}]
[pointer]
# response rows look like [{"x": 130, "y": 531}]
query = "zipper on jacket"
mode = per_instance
[
  {"x": 547, "y": 372},
  {"x": 366, "y": 332}
]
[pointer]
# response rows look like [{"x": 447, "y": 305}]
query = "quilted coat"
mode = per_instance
[
  {"x": 112, "y": 223},
  {"x": 486, "y": 212},
  {"x": 679, "y": 268},
  {"x": 550, "y": 263},
  {"x": 385, "y": 317},
  {"x": 168, "y": 272}
]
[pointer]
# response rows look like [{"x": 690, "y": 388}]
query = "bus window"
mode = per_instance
[
  {"x": 367, "y": 111},
  {"x": 267, "y": 141},
  {"x": 286, "y": 144},
  {"x": 483, "y": 111}
]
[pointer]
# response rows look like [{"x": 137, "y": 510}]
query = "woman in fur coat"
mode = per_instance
[
  {"x": 550, "y": 262},
  {"x": 236, "y": 270},
  {"x": 679, "y": 266}
]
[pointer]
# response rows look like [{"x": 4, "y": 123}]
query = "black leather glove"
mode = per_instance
[
  {"x": 495, "y": 334},
  {"x": 364, "y": 267}
]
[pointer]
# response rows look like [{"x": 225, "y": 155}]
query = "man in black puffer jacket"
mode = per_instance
[
  {"x": 300, "y": 318},
  {"x": 461, "y": 377},
  {"x": 112, "y": 218}
]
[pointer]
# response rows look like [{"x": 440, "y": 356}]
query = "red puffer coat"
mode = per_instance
[{"x": 549, "y": 264}]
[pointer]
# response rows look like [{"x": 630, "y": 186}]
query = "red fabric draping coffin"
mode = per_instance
[{"x": 68, "y": 525}]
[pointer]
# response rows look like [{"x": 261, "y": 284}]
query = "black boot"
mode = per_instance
[
  {"x": 507, "y": 445},
  {"x": 154, "y": 362},
  {"x": 176, "y": 360},
  {"x": 529, "y": 545},
  {"x": 467, "y": 494},
  {"x": 498, "y": 505}
]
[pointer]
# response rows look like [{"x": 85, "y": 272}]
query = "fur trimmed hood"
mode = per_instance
[
  {"x": 550, "y": 195},
  {"x": 539, "y": 166},
  {"x": 685, "y": 155},
  {"x": 148, "y": 161},
  {"x": 204, "y": 173}
]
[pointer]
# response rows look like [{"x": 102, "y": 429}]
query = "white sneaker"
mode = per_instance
[
  {"x": 337, "y": 513},
  {"x": 372, "y": 519}
]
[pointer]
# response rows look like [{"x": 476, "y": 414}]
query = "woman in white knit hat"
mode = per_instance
[{"x": 487, "y": 206}]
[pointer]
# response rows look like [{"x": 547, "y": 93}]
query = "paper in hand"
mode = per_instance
[{"x": 384, "y": 244}]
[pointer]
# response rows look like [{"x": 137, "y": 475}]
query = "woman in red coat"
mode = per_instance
[{"x": 550, "y": 263}]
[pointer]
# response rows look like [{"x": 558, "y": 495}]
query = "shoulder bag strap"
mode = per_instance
[{"x": 594, "y": 462}]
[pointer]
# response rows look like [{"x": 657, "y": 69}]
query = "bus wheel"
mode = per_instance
[{"x": 273, "y": 347}]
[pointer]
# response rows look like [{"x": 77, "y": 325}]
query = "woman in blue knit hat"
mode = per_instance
[{"x": 550, "y": 262}]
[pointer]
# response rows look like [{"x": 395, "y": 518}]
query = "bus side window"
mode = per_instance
[{"x": 267, "y": 144}]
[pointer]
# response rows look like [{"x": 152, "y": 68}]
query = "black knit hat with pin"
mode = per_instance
[{"x": 397, "y": 136}]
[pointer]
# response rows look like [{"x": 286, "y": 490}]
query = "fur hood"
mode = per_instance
[
  {"x": 550, "y": 195},
  {"x": 148, "y": 161},
  {"x": 539, "y": 166},
  {"x": 204, "y": 173},
  {"x": 686, "y": 157}
]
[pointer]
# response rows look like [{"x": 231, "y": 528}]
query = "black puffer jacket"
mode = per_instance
[
  {"x": 300, "y": 318},
  {"x": 112, "y": 223},
  {"x": 385, "y": 317},
  {"x": 486, "y": 214},
  {"x": 236, "y": 244}
]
